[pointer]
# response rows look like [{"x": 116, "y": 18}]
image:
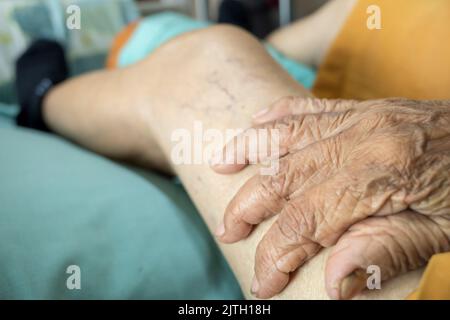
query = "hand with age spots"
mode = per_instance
[{"x": 371, "y": 178}]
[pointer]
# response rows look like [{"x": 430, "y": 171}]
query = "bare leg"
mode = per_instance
[
  {"x": 308, "y": 40},
  {"x": 99, "y": 111},
  {"x": 219, "y": 76}
]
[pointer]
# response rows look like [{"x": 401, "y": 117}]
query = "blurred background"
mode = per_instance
[
  {"x": 264, "y": 15},
  {"x": 22, "y": 21}
]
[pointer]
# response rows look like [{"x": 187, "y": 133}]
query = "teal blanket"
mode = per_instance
[{"x": 132, "y": 234}]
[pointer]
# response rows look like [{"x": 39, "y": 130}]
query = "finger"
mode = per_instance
[
  {"x": 317, "y": 218},
  {"x": 391, "y": 245},
  {"x": 295, "y": 105},
  {"x": 263, "y": 196},
  {"x": 258, "y": 199},
  {"x": 275, "y": 139},
  {"x": 254, "y": 145},
  {"x": 283, "y": 249}
]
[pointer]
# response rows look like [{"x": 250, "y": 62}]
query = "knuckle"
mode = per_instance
[
  {"x": 397, "y": 150},
  {"x": 319, "y": 104},
  {"x": 294, "y": 224},
  {"x": 235, "y": 214},
  {"x": 266, "y": 256},
  {"x": 273, "y": 186},
  {"x": 332, "y": 105},
  {"x": 330, "y": 151},
  {"x": 286, "y": 104},
  {"x": 280, "y": 134},
  {"x": 337, "y": 104},
  {"x": 374, "y": 118},
  {"x": 287, "y": 101}
]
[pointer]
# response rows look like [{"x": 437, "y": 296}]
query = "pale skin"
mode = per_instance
[
  {"x": 307, "y": 40},
  {"x": 130, "y": 114}
]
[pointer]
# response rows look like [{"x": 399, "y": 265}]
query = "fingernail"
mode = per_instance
[
  {"x": 352, "y": 284},
  {"x": 220, "y": 231},
  {"x": 255, "y": 286},
  {"x": 260, "y": 113}
]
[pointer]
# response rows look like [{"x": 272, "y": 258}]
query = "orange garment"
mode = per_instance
[
  {"x": 435, "y": 283},
  {"x": 118, "y": 43},
  {"x": 409, "y": 57}
]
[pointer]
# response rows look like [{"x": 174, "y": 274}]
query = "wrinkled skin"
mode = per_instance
[{"x": 371, "y": 178}]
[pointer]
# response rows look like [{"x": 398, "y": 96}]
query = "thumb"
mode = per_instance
[
  {"x": 287, "y": 106},
  {"x": 393, "y": 244}
]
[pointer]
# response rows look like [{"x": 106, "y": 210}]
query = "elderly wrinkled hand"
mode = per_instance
[{"x": 371, "y": 178}]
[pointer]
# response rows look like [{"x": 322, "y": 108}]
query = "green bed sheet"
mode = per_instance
[{"x": 133, "y": 234}]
